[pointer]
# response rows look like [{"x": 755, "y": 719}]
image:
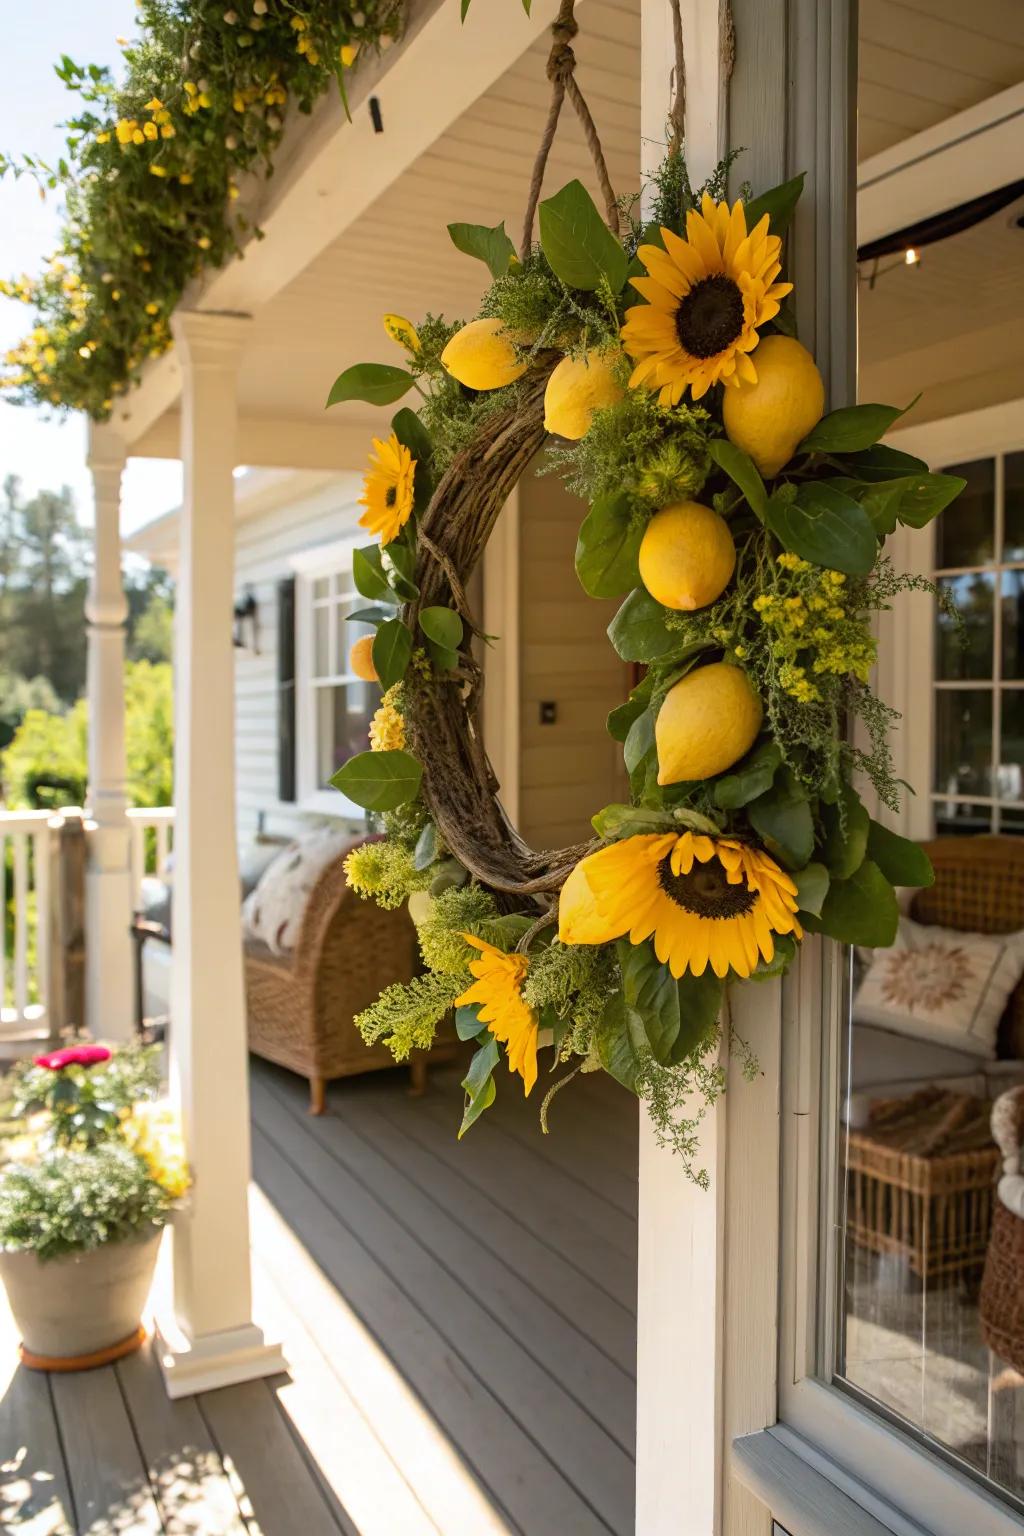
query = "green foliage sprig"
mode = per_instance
[
  {"x": 153, "y": 166},
  {"x": 71, "y": 1201}
]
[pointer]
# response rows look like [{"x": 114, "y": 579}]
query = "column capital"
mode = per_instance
[
  {"x": 107, "y": 449},
  {"x": 210, "y": 338}
]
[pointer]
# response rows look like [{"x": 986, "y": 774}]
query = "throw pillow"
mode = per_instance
[
  {"x": 940, "y": 985},
  {"x": 272, "y": 913}
]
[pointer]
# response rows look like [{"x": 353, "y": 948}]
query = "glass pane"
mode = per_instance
[
  {"x": 343, "y": 716},
  {"x": 965, "y": 535},
  {"x": 1011, "y": 822},
  {"x": 1013, "y": 623},
  {"x": 320, "y": 587},
  {"x": 321, "y": 642},
  {"x": 963, "y": 741},
  {"x": 964, "y": 649},
  {"x": 1010, "y": 777},
  {"x": 953, "y": 818},
  {"x": 1013, "y": 504}
]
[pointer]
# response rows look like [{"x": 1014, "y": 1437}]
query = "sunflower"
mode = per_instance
[
  {"x": 499, "y": 978},
  {"x": 707, "y": 901},
  {"x": 387, "y": 489},
  {"x": 706, "y": 296}
]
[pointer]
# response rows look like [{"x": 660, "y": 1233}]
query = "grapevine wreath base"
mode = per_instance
[{"x": 655, "y": 366}]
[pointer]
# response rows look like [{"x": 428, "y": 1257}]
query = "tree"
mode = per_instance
[{"x": 43, "y": 578}]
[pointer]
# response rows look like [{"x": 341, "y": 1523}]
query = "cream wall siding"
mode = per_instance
[
  {"x": 265, "y": 544},
  {"x": 570, "y": 769}
]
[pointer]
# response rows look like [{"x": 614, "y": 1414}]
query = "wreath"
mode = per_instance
[{"x": 656, "y": 366}]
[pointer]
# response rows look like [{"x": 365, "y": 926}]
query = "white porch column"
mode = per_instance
[
  {"x": 109, "y": 973},
  {"x": 219, "y": 1343},
  {"x": 708, "y": 1304}
]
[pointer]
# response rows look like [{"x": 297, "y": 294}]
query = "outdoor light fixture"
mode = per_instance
[
  {"x": 911, "y": 257},
  {"x": 247, "y": 626}
]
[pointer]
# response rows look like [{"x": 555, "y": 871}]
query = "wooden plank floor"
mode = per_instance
[{"x": 459, "y": 1320}]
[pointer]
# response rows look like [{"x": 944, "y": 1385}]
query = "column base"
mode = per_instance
[{"x": 219, "y": 1360}]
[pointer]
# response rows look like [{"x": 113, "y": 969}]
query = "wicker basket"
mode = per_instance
[{"x": 1002, "y": 1289}]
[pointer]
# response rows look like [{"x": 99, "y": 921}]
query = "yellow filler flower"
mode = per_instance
[
  {"x": 706, "y": 296},
  {"x": 499, "y": 979},
  {"x": 388, "y": 489},
  {"x": 707, "y": 901},
  {"x": 153, "y": 1131}
]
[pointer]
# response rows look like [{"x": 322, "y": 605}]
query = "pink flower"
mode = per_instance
[{"x": 73, "y": 1056}]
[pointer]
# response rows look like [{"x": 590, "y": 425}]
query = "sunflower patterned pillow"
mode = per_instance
[{"x": 941, "y": 985}]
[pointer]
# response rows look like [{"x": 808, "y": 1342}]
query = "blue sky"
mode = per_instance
[{"x": 43, "y": 450}]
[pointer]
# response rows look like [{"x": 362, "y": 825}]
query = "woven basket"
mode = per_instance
[{"x": 1002, "y": 1288}]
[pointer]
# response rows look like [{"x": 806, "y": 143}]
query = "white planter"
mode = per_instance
[{"x": 80, "y": 1304}]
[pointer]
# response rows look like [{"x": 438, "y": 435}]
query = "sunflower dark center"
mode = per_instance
[
  {"x": 710, "y": 316},
  {"x": 706, "y": 891},
  {"x": 390, "y": 496}
]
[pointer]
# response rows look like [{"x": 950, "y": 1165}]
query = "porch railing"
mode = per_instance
[
  {"x": 26, "y": 853},
  {"x": 152, "y": 837}
]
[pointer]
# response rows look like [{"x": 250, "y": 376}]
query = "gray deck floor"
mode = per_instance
[{"x": 459, "y": 1319}]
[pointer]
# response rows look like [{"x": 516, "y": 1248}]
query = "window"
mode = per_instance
[
  {"x": 333, "y": 706},
  {"x": 977, "y": 772}
]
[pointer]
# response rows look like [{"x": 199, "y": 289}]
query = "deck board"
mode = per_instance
[
  {"x": 111, "y": 1486},
  {"x": 35, "y": 1492}
]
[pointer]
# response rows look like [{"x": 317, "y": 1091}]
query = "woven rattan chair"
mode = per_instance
[
  {"x": 1002, "y": 1286},
  {"x": 979, "y": 888},
  {"x": 301, "y": 1006}
]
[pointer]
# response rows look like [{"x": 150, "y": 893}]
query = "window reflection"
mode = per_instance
[{"x": 963, "y": 742}]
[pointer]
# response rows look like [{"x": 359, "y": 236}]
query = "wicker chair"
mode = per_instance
[
  {"x": 301, "y": 1005},
  {"x": 1002, "y": 1286}
]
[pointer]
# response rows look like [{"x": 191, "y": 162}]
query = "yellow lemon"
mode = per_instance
[
  {"x": 481, "y": 356},
  {"x": 360, "y": 659},
  {"x": 770, "y": 418},
  {"x": 687, "y": 556},
  {"x": 709, "y": 720},
  {"x": 577, "y": 388}
]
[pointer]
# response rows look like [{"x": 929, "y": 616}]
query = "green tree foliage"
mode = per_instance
[{"x": 43, "y": 578}]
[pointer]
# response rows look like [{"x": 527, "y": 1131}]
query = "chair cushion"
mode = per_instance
[
  {"x": 941, "y": 985},
  {"x": 272, "y": 913}
]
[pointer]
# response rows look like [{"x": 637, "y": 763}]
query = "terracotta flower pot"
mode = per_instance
[{"x": 81, "y": 1309}]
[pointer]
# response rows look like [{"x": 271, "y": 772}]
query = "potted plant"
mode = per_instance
[{"x": 84, "y": 1195}]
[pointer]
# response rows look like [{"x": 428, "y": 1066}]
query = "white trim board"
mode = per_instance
[{"x": 971, "y": 435}]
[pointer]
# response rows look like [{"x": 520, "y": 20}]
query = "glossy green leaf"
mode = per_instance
[
  {"x": 475, "y": 1107},
  {"x": 578, "y": 245},
  {"x": 491, "y": 246},
  {"x": 481, "y": 1066},
  {"x": 621, "y": 718},
  {"x": 608, "y": 548},
  {"x": 399, "y": 560},
  {"x": 638, "y": 631},
  {"x": 410, "y": 431},
  {"x": 861, "y": 910},
  {"x": 640, "y": 740},
  {"x": 751, "y": 777},
  {"x": 851, "y": 428},
  {"x": 825, "y": 526},
  {"x": 846, "y": 834},
  {"x": 779, "y": 203},
  {"x": 882, "y": 462},
  {"x": 812, "y": 883},
  {"x": 742, "y": 470},
  {"x": 427, "y": 847},
  {"x": 616, "y": 821},
  {"x": 443, "y": 626},
  {"x": 700, "y": 1002},
  {"x": 901, "y": 861},
  {"x": 368, "y": 573},
  {"x": 651, "y": 991},
  {"x": 620, "y": 1040},
  {"x": 392, "y": 652},
  {"x": 379, "y": 781},
  {"x": 467, "y": 1022},
  {"x": 377, "y": 383},
  {"x": 783, "y": 819},
  {"x": 370, "y": 615}
]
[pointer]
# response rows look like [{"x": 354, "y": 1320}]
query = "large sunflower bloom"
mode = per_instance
[
  {"x": 707, "y": 901},
  {"x": 388, "y": 489},
  {"x": 706, "y": 296},
  {"x": 499, "y": 978}
]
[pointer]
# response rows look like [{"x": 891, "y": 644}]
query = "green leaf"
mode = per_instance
[
  {"x": 750, "y": 778},
  {"x": 370, "y": 615},
  {"x": 920, "y": 498},
  {"x": 392, "y": 652},
  {"x": 620, "y": 1039},
  {"x": 741, "y": 469},
  {"x": 901, "y": 861},
  {"x": 651, "y": 991},
  {"x": 882, "y": 462},
  {"x": 379, "y": 781},
  {"x": 700, "y": 1002},
  {"x": 783, "y": 819},
  {"x": 399, "y": 564},
  {"x": 579, "y": 246},
  {"x": 812, "y": 884},
  {"x": 846, "y": 834},
  {"x": 640, "y": 740},
  {"x": 480, "y": 1068},
  {"x": 779, "y": 204},
  {"x": 368, "y": 573},
  {"x": 475, "y": 1108},
  {"x": 861, "y": 910},
  {"x": 427, "y": 850},
  {"x": 411, "y": 432},
  {"x": 784, "y": 946},
  {"x": 639, "y": 632},
  {"x": 608, "y": 548},
  {"x": 621, "y": 718},
  {"x": 616, "y": 821},
  {"x": 377, "y": 383},
  {"x": 491, "y": 246},
  {"x": 443, "y": 626},
  {"x": 467, "y": 1022},
  {"x": 825, "y": 526},
  {"x": 851, "y": 428}
]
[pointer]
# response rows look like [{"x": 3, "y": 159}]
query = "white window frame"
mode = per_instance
[{"x": 309, "y": 566}]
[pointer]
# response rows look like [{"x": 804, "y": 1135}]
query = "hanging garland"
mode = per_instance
[{"x": 744, "y": 529}]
